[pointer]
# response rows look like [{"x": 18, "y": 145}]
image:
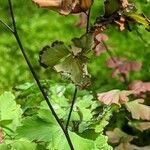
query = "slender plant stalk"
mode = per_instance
[
  {"x": 16, "y": 35},
  {"x": 6, "y": 25},
  {"x": 88, "y": 20},
  {"x": 113, "y": 59},
  {"x": 71, "y": 108}
]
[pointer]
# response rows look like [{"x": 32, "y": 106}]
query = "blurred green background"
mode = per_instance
[{"x": 40, "y": 27}]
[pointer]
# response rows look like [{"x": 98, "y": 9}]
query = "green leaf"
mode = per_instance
[
  {"x": 50, "y": 56},
  {"x": 10, "y": 112},
  {"x": 85, "y": 42},
  {"x": 23, "y": 144},
  {"x": 101, "y": 143},
  {"x": 139, "y": 19},
  {"x": 69, "y": 61},
  {"x": 111, "y": 6},
  {"x": 35, "y": 128},
  {"x": 4, "y": 147},
  {"x": 75, "y": 69}
]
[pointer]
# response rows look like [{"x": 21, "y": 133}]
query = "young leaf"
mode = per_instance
[{"x": 138, "y": 110}]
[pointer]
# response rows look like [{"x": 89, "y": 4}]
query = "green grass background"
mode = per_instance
[{"x": 39, "y": 27}]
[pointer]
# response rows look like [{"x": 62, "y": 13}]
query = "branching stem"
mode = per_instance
[{"x": 16, "y": 35}]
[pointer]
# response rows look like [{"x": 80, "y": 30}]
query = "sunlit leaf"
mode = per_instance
[
  {"x": 10, "y": 112},
  {"x": 36, "y": 129}
]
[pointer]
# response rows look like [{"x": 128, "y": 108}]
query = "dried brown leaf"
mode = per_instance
[
  {"x": 65, "y": 7},
  {"x": 138, "y": 110}
]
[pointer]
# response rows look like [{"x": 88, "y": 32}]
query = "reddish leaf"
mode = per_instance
[
  {"x": 82, "y": 20},
  {"x": 139, "y": 87},
  {"x": 122, "y": 66},
  {"x": 99, "y": 47},
  {"x": 114, "y": 97},
  {"x": 138, "y": 110}
]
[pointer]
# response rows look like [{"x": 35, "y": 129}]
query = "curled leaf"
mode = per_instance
[
  {"x": 139, "y": 87},
  {"x": 65, "y": 7},
  {"x": 138, "y": 110},
  {"x": 114, "y": 97}
]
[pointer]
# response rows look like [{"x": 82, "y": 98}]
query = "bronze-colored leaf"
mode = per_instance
[
  {"x": 114, "y": 97},
  {"x": 138, "y": 110}
]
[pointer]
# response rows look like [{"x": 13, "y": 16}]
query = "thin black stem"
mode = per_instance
[
  {"x": 71, "y": 109},
  {"x": 113, "y": 59},
  {"x": 7, "y": 26},
  {"x": 88, "y": 20},
  {"x": 36, "y": 78}
]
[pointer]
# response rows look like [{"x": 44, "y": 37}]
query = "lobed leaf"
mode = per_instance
[{"x": 138, "y": 110}]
